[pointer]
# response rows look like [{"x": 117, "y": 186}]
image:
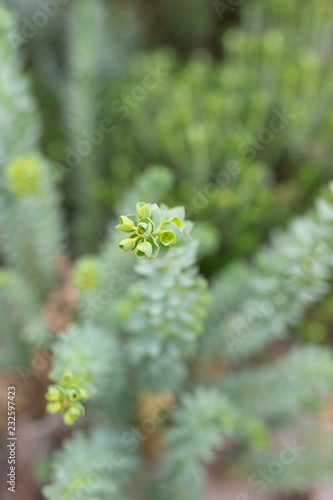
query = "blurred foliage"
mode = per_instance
[
  {"x": 225, "y": 108},
  {"x": 241, "y": 133}
]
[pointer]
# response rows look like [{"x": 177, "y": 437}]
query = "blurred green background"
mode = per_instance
[
  {"x": 236, "y": 112},
  {"x": 235, "y": 101},
  {"x": 223, "y": 107}
]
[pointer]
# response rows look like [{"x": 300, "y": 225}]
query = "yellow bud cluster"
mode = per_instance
[
  {"x": 86, "y": 273},
  {"x": 24, "y": 175}
]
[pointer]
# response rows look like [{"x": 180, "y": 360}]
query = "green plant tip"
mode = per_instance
[
  {"x": 144, "y": 249},
  {"x": 73, "y": 413},
  {"x": 145, "y": 227},
  {"x": 143, "y": 209},
  {"x": 151, "y": 226},
  {"x": 54, "y": 407},
  {"x": 67, "y": 378},
  {"x": 86, "y": 274},
  {"x": 24, "y": 175},
  {"x": 126, "y": 224},
  {"x": 128, "y": 244},
  {"x": 167, "y": 238},
  {"x": 74, "y": 393},
  {"x": 54, "y": 393}
]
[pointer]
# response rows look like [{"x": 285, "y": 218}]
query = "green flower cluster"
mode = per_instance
[
  {"x": 256, "y": 433},
  {"x": 24, "y": 175},
  {"x": 253, "y": 431},
  {"x": 86, "y": 273},
  {"x": 153, "y": 230},
  {"x": 66, "y": 397}
]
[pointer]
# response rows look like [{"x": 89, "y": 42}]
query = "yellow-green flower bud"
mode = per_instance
[
  {"x": 144, "y": 249},
  {"x": 24, "y": 175},
  {"x": 128, "y": 244},
  {"x": 170, "y": 233},
  {"x": 54, "y": 393},
  {"x": 86, "y": 275},
  {"x": 167, "y": 238},
  {"x": 143, "y": 209},
  {"x": 257, "y": 434},
  {"x": 145, "y": 227},
  {"x": 54, "y": 406},
  {"x": 178, "y": 222},
  {"x": 126, "y": 224},
  {"x": 74, "y": 393},
  {"x": 155, "y": 225},
  {"x": 226, "y": 420},
  {"x": 83, "y": 394},
  {"x": 67, "y": 378},
  {"x": 73, "y": 412}
]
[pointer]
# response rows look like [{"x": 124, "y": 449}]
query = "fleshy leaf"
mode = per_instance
[
  {"x": 144, "y": 249},
  {"x": 126, "y": 223},
  {"x": 129, "y": 244},
  {"x": 170, "y": 213},
  {"x": 184, "y": 241},
  {"x": 155, "y": 216},
  {"x": 155, "y": 246},
  {"x": 143, "y": 209},
  {"x": 163, "y": 251},
  {"x": 188, "y": 226}
]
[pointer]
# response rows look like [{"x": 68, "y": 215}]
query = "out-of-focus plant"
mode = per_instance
[
  {"x": 153, "y": 230},
  {"x": 162, "y": 333},
  {"x": 171, "y": 365},
  {"x": 251, "y": 127}
]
